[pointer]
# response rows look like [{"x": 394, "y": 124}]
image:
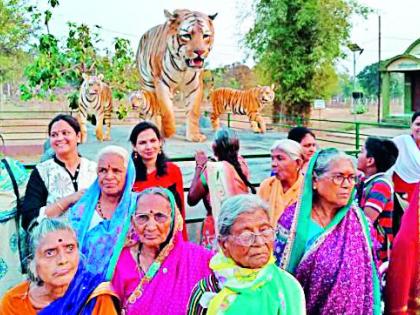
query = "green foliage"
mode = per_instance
[
  {"x": 368, "y": 80},
  {"x": 73, "y": 99},
  {"x": 296, "y": 43}
]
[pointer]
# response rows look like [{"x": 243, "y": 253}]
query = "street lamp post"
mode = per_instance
[{"x": 354, "y": 48}]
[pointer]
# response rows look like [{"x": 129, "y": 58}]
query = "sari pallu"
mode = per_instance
[
  {"x": 337, "y": 271},
  {"x": 102, "y": 244}
]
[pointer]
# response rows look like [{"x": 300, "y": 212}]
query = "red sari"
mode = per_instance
[
  {"x": 173, "y": 178},
  {"x": 403, "y": 276}
]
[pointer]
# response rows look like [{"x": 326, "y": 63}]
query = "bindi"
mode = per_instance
[{"x": 60, "y": 240}]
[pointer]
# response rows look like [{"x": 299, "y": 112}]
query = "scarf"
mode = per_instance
[
  {"x": 407, "y": 165},
  {"x": 102, "y": 244},
  {"x": 266, "y": 290}
]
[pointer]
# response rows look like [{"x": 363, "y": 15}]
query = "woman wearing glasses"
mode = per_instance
[
  {"x": 244, "y": 278},
  {"x": 324, "y": 240},
  {"x": 156, "y": 275}
]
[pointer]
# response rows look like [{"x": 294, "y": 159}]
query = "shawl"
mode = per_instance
[
  {"x": 266, "y": 290},
  {"x": 337, "y": 271},
  {"x": 167, "y": 285},
  {"x": 272, "y": 192},
  {"x": 403, "y": 276},
  {"x": 102, "y": 244},
  {"x": 407, "y": 165}
]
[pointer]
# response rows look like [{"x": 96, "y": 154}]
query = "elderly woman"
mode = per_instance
[
  {"x": 282, "y": 189},
  {"x": 407, "y": 168},
  {"x": 245, "y": 279},
  {"x": 324, "y": 240},
  {"x": 101, "y": 218},
  {"x": 214, "y": 181},
  {"x": 58, "y": 183},
  {"x": 59, "y": 283},
  {"x": 156, "y": 276}
]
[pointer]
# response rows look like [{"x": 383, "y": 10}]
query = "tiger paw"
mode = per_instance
[{"x": 198, "y": 137}]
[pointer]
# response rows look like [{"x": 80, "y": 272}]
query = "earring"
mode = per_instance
[
  {"x": 314, "y": 187},
  {"x": 136, "y": 155},
  {"x": 160, "y": 150}
]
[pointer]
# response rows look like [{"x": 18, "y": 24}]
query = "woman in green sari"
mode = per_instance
[{"x": 244, "y": 278}]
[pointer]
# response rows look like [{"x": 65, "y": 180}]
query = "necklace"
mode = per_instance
[
  {"x": 318, "y": 218},
  {"x": 99, "y": 209}
]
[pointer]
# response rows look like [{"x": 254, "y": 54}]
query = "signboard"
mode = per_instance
[{"x": 319, "y": 104}]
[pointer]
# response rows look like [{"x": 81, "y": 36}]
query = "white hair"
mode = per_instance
[
  {"x": 292, "y": 148},
  {"x": 116, "y": 150}
]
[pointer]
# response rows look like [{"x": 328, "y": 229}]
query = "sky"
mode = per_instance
[{"x": 131, "y": 18}]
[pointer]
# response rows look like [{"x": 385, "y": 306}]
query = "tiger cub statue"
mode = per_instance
[
  {"x": 95, "y": 100},
  {"x": 171, "y": 56},
  {"x": 248, "y": 102},
  {"x": 146, "y": 104}
]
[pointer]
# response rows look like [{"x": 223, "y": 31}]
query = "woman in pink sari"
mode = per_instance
[{"x": 157, "y": 275}]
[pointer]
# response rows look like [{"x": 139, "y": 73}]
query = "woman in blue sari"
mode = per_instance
[
  {"x": 101, "y": 218},
  {"x": 59, "y": 282}
]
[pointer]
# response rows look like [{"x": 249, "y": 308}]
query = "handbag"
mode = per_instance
[{"x": 22, "y": 235}]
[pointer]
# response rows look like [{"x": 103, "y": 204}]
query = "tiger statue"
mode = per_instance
[
  {"x": 172, "y": 55},
  {"x": 95, "y": 100},
  {"x": 145, "y": 103},
  {"x": 248, "y": 102}
]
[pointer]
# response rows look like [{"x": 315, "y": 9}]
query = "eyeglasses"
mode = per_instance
[
  {"x": 143, "y": 218},
  {"x": 339, "y": 179},
  {"x": 249, "y": 238}
]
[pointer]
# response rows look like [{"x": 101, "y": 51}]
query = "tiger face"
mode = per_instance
[
  {"x": 137, "y": 100},
  {"x": 266, "y": 94},
  {"x": 192, "y": 35},
  {"x": 93, "y": 84}
]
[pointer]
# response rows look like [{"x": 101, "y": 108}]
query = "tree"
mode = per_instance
[
  {"x": 14, "y": 33},
  {"x": 296, "y": 43}
]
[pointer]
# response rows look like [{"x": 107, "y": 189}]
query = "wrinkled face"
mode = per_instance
[
  {"x": 258, "y": 253},
  {"x": 193, "y": 37},
  {"x": 93, "y": 84},
  {"x": 111, "y": 174},
  {"x": 152, "y": 220},
  {"x": 148, "y": 145},
  {"x": 283, "y": 166},
  {"x": 336, "y": 185},
  {"x": 266, "y": 95},
  {"x": 63, "y": 138},
  {"x": 308, "y": 145},
  {"x": 57, "y": 258},
  {"x": 415, "y": 129}
]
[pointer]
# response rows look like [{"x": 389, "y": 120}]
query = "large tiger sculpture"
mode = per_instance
[
  {"x": 95, "y": 100},
  {"x": 146, "y": 104},
  {"x": 248, "y": 102},
  {"x": 170, "y": 56}
]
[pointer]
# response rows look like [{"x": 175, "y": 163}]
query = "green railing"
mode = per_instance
[{"x": 353, "y": 130}]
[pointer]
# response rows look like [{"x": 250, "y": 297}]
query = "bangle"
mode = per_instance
[{"x": 60, "y": 206}]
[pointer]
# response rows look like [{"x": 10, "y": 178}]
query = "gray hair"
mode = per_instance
[
  {"x": 160, "y": 191},
  {"x": 234, "y": 206},
  {"x": 116, "y": 150},
  {"x": 292, "y": 148},
  {"x": 326, "y": 157},
  {"x": 46, "y": 226}
]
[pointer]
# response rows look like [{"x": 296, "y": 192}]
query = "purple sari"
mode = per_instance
[{"x": 337, "y": 271}]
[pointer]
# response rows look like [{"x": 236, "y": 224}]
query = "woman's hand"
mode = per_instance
[
  {"x": 74, "y": 197},
  {"x": 200, "y": 158}
]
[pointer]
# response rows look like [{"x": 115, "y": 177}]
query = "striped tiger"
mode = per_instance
[
  {"x": 146, "y": 104},
  {"x": 248, "y": 102},
  {"x": 95, "y": 100},
  {"x": 170, "y": 56}
]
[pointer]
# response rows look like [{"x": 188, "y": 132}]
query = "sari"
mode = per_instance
[
  {"x": 272, "y": 192},
  {"x": 167, "y": 284},
  {"x": 102, "y": 244},
  {"x": 403, "y": 275},
  {"x": 337, "y": 269}
]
